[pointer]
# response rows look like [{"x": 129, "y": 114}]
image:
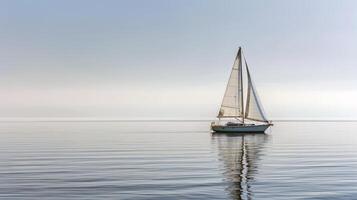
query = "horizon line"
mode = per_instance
[{"x": 87, "y": 119}]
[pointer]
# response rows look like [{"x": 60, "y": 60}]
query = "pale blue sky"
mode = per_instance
[{"x": 171, "y": 59}]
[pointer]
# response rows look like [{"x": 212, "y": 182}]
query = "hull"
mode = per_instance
[{"x": 240, "y": 129}]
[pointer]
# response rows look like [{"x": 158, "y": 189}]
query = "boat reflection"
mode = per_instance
[{"x": 239, "y": 154}]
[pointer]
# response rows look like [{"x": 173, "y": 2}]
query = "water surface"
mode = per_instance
[{"x": 176, "y": 160}]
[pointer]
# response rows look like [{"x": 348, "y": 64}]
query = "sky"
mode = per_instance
[{"x": 167, "y": 59}]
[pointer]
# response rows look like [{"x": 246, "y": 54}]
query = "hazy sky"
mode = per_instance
[{"x": 172, "y": 59}]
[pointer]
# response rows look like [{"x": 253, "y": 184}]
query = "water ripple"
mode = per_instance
[{"x": 178, "y": 160}]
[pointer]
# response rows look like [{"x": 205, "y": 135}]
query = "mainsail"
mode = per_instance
[{"x": 233, "y": 104}]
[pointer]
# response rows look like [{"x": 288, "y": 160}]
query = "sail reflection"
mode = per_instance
[{"x": 239, "y": 155}]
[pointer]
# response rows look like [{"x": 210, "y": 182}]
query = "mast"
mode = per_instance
[{"x": 241, "y": 82}]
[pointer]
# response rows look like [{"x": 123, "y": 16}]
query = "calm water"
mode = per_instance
[{"x": 176, "y": 160}]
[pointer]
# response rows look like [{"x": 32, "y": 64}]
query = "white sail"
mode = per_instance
[
  {"x": 232, "y": 104},
  {"x": 254, "y": 110}
]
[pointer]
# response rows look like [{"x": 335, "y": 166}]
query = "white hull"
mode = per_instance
[{"x": 240, "y": 129}]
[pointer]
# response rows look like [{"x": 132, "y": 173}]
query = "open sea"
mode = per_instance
[{"x": 176, "y": 160}]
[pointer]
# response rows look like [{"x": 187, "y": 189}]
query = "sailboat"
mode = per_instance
[{"x": 241, "y": 105}]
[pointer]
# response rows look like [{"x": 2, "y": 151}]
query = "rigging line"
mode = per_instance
[{"x": 241, "y": 83}]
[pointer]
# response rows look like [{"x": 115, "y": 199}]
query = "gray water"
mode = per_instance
[{"x": 176, "y": 160}]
